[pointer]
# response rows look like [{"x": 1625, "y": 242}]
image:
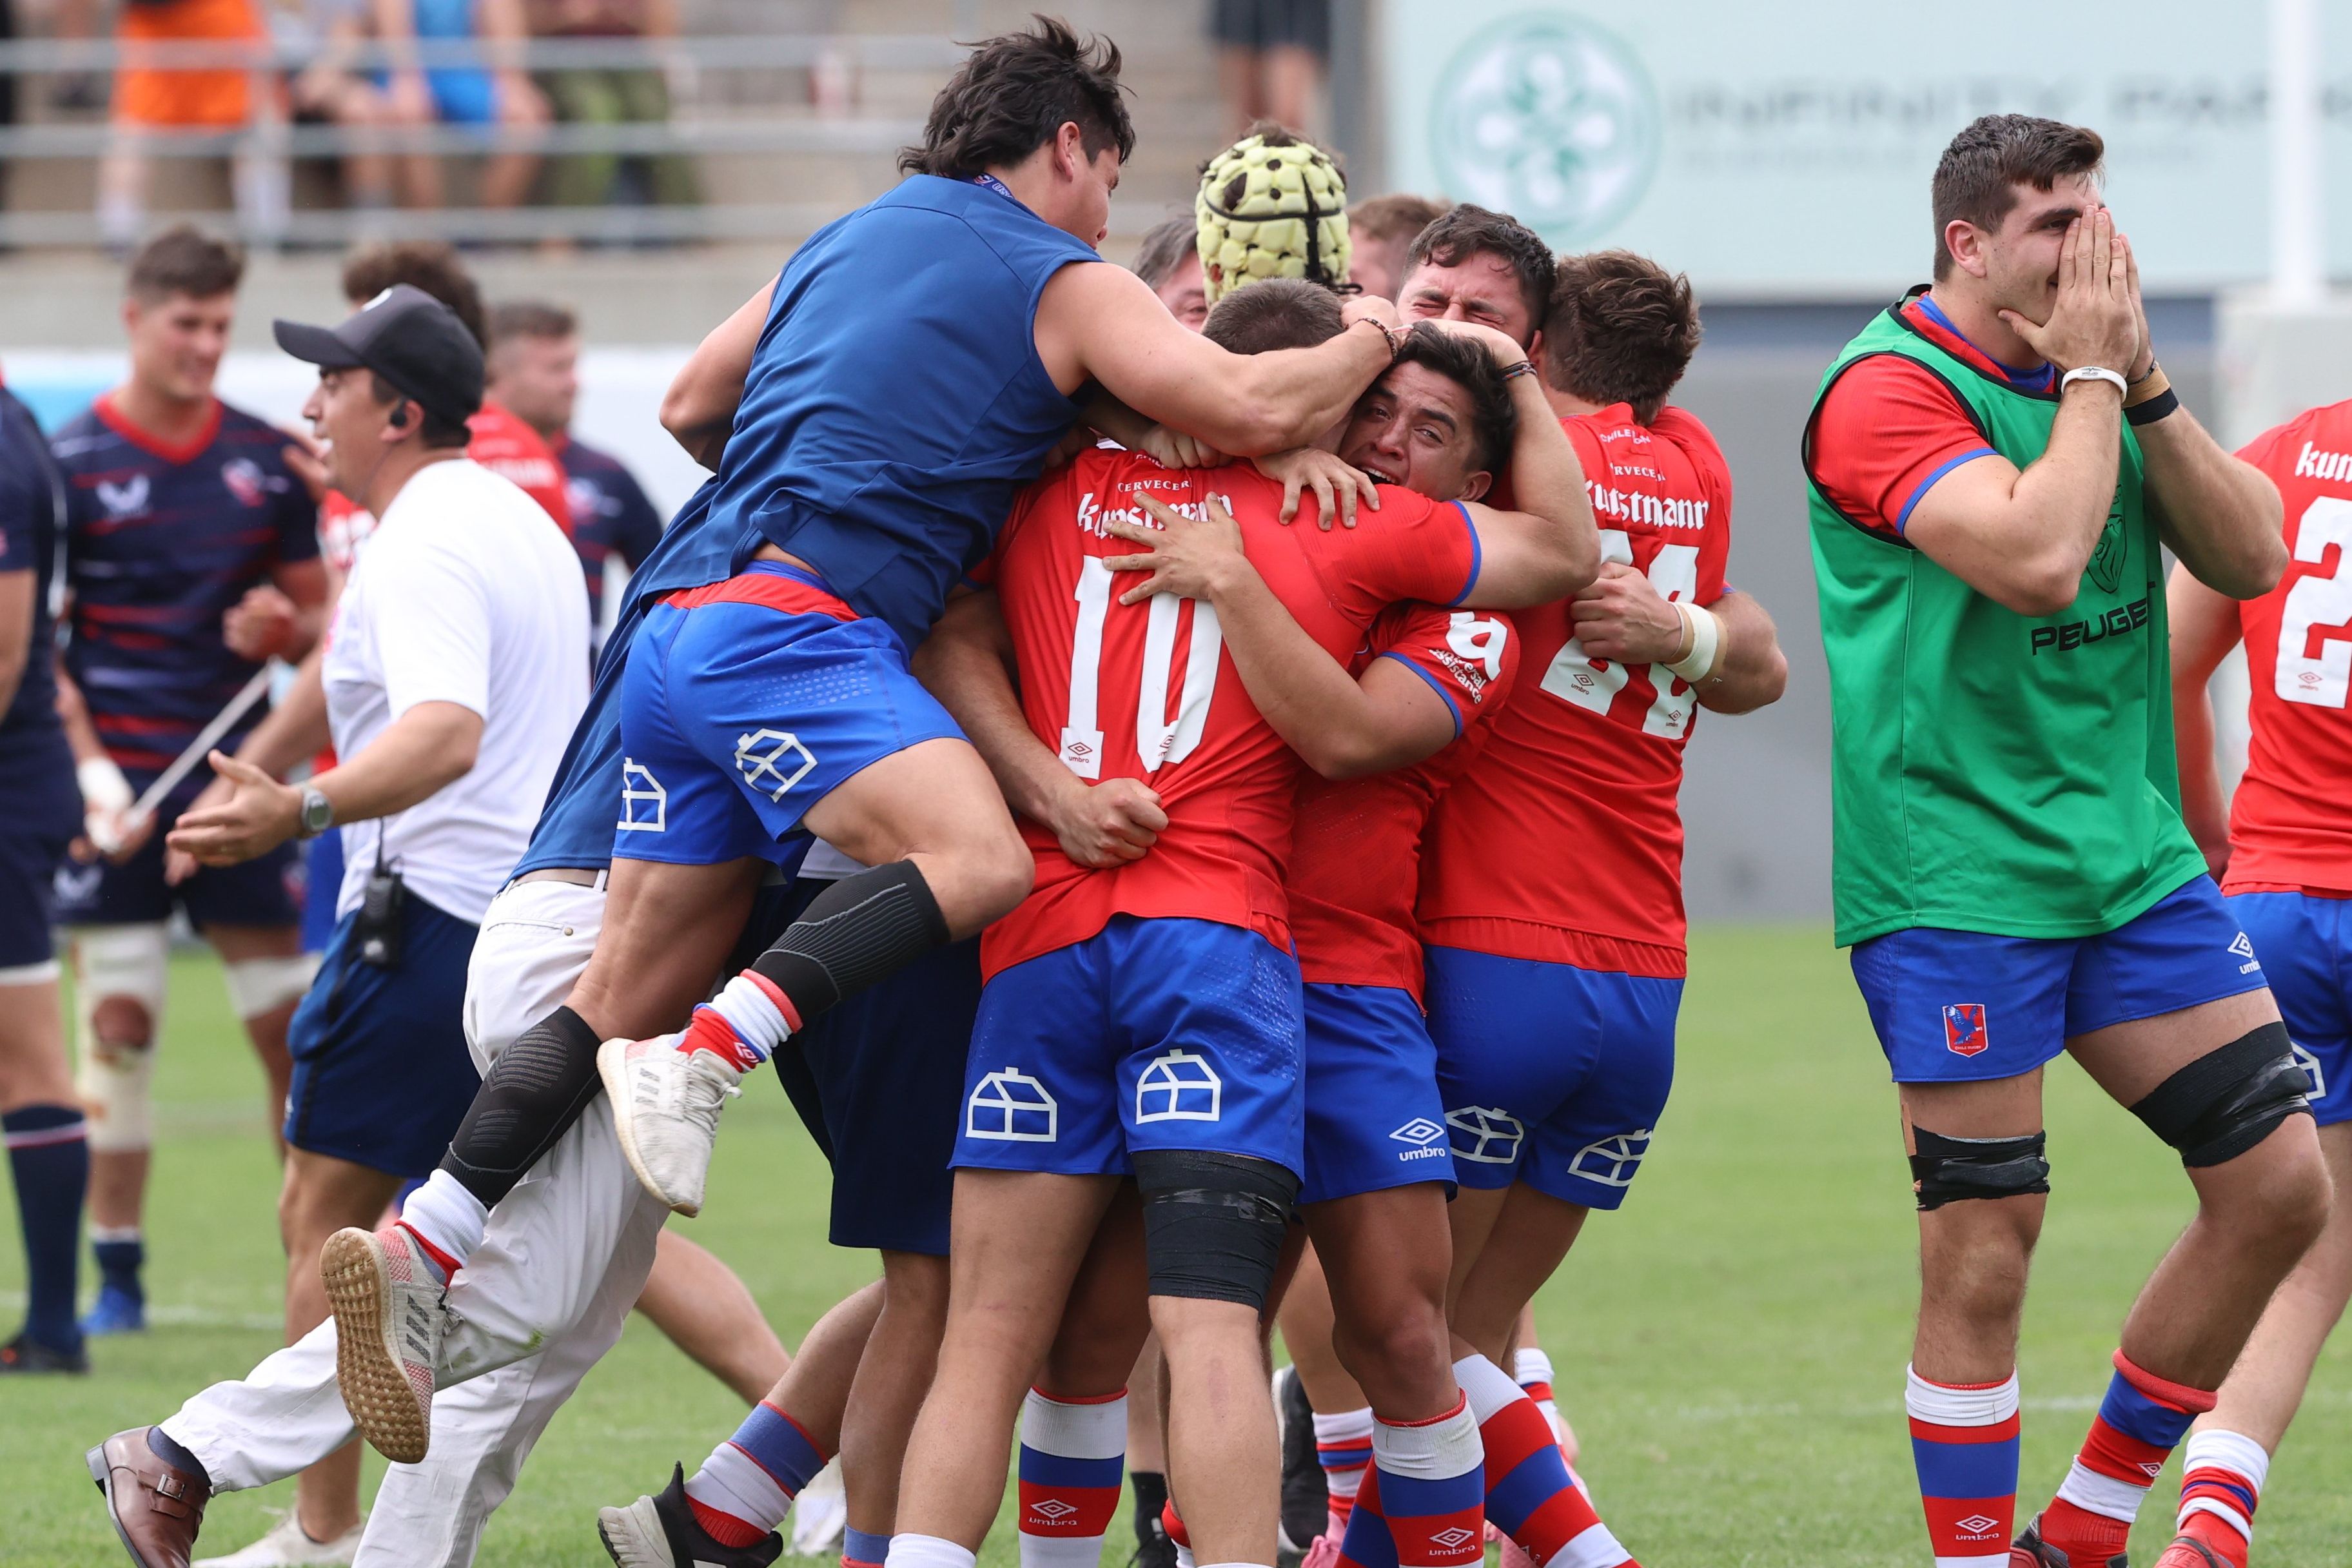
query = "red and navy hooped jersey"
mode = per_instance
[
  {"x": 37, "y": 782},
  {"x": 160, "y": 542}
]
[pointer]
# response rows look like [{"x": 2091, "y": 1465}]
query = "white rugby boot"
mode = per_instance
[
  {"x": 389, "y": 1321},
  {"x": 666, "y": 1105},
  {"x": 286, "y": 1546}
]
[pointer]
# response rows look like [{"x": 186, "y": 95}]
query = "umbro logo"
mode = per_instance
[
  {"x": 1976, "y": 1527},
  {"x": 1053, "y": 1507},
  {"x": 1420, "y": 1129},
  {"x": 2153, "y": 1470},
  {"x": 1450, "y": 1539},
  {"x": 2245, "y": 950}
]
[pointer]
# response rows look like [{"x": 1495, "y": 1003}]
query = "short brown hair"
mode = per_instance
[
  {"x": 1013, "y": 93},
  {"x": 1275, "y": 313},
  {"x": 1465, "y": 231},
  {"x": 1977, "y": 178},
  {"x": 1163, "y": 250},
  {"x": 1493, "y": 417},
  {"x": 531, "y": 318},
  {"x": 1621, "y": 329},
  {"x": 1397, "y": 215},
  {"x": 427, "y": 264},
  {"x": 184, "y": 259}
]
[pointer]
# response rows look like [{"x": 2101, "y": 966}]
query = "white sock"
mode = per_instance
[
  {"x": 1343, "y": 1447},
  {"x": 445, "y": 1214},
  {"x": 928, "y": 1551},
  {"x": 1071, "y": 1456},
  {"x": 759, "y": 1024}
]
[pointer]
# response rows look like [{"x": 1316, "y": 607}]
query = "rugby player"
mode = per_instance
[
  {"x": 2281, "y": 848},
  {"x": 1997, "y": 464},
  {"x": 865, "y": 435},
  {"x": 1169, "y": 262},
  {"x": 1487, "y": 267},
  {"x": 40, "y": 1121},
  {"x": 1380, "y": 231},
  {"x": 177, "y": 505},
  {"x": 1146, "y": 1017}
]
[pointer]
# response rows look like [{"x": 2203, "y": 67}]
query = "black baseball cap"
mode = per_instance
[{"x": 406, "y": 336}]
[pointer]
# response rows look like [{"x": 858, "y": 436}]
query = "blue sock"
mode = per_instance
[
  {"x": 171, "y": 1453},
  {"x": 856, "y": 1546},
  {"x": 118, "y": 1262},
  {"x": 49, "y": 1155}
]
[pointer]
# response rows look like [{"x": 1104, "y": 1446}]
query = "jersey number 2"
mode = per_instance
[
  {"x": 1590, "y": 683},
  {"x": 1157, "y": 738},
  {"x": 2321, "y": 680}
]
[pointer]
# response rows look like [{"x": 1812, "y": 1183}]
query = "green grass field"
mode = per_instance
[{"x": 1730, "y": 1346}]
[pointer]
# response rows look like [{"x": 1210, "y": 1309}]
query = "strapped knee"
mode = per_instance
[
  {"x": 1947, "y": 1170},
  {"x": 118, "y": 981},
  {"x": 535, "y": 1091},
  {"x": 1214, "y": 1224},
  {"x": 2229, "y": 1100},
  {"x": 260, "y": 985}
]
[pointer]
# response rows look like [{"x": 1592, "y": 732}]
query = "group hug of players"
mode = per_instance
[{"x": 1136, "y": 851}]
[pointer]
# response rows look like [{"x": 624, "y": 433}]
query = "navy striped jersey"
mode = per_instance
[
  {"x": 610, "y": 515},
  {"x": 36, "y": 771},
  {"x": 160, "y": 542}
]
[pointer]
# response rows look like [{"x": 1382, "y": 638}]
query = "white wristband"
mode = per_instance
[
  {"x": 103, "y": 787},
  {"x": 1706, "y": 643},
  {"x": 2096, "y": 372}
]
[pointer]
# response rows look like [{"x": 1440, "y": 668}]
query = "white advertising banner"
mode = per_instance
[{"x": 1785, "y": 151}]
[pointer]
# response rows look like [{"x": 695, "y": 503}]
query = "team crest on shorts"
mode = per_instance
[
  {"x": 1611, "y": 1161},
  {"x": 1008, "y": 1106},
  {"x": 772, "y": 761},
  {"x": 1486, "y": 1135},
  {"x": 1179, "y": 1086},
  {"x": 644, "y": 805},
  {"x": 1964, "y": 1030}
]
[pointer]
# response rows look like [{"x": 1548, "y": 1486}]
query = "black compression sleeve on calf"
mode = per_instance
[
  {"x": 2229, "y": 1100},
  {"x": 859, "y": 930},
  {"x": 535, "y": 1091}
]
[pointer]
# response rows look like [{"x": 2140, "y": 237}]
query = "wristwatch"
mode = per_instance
[{"x": 318, "y": 813}]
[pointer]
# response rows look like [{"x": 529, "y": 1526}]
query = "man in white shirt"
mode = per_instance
[{"x": 456, "y": 669}]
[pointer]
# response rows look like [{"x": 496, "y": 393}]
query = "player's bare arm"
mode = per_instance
[
  {"x": 2219, "y": 514},
  {"x": 1103, "y": 323},
  {"x": 2023, "y": 538},
  {"x": 967, "y": 663},
  {"x": 1342, "y": 726},
  {"x": 699, "y": 409},
  {"x": 2205, "y": 627},
  {"x": 16, "y": 590},
  {"x": 1620, "y": 616},
  {"x": 1549, "y": 546},
  {"x": 423, "y": 751}
]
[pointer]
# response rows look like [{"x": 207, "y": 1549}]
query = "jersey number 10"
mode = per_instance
[
  {"x": 1593, "y": 684},
  {"x": 1157, "y": 738}
]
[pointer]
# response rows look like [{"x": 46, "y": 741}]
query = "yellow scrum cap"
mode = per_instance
[{"x": 1271, "y": 205}]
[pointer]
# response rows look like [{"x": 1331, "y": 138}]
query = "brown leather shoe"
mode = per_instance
[{"x": 157, "y": 1507}]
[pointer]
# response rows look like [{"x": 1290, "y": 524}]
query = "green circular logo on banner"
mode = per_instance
[{"x": 1550, "y": 119}]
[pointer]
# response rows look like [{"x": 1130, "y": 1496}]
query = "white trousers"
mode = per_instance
[{"x": 539, "y": 1303}]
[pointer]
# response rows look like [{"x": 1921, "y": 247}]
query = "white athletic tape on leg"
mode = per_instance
[
  {"x": 127, "y": 962},
  {"x": 258, "y": 986}
]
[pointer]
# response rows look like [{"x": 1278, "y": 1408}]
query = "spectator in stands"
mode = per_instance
[
  {"x": 495, "y": 93},
  {"x": 1270, "y": 58},
  {"x": 612, "y": 96},
  {"x": 1379, "y": 231},
  {"x": 534, "y": 372},
  {"x": 1169, "y": 262},
  {"x": 153, "y": 97},
  {"x": 329, "y": 90}
]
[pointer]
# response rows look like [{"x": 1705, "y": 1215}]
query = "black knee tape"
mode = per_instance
[
  {"x": 856, "y": 932},
  {"x": 2227, "y": 1100},
  {"x": 1947, "y": 1170},
  {"x": 535, "y": 1091},
  {"x": 1212, "y": 1224}
]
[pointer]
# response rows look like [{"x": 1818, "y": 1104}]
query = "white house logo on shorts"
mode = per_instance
[
  {"x": 644, "y": 805},
  {"x": 1549, "y": 118},
  {"x": 1611, "y": 1161},
  {"x": 2245, "y": 950},
  {"x": 772, "y": 761},
  {"x": 1179, "y": 1087},
  {"x": 1486, "y": 1135},
  {"x": 2303, "y": 1058},
  {"x": 1008, "y": 1106}
]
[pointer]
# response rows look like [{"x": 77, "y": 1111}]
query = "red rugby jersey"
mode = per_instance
[
  {"x": 1563, "y": 841},
  {"x": 1146, "y": 691},
  {"x": 2291, "y": 823},
  {"x": 1355, "y": 856}
]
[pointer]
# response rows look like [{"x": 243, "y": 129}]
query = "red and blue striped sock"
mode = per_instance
[
  {"x": 1530, "y": 1495},
  {"x": 2221, "y": 1477},
  {"x": 1343, "y": 1447},
  {"x": 861, "y": 1550},
  {"x": 2139, "y": 1423},
  {"x": 1964, "y": 1441},
  {"x": 1433, "y": 1487},
  {"x": 747, "y": 1485},
  {"x": 1073, "y": 1453},
  {"x": 49, "y": 1155}
]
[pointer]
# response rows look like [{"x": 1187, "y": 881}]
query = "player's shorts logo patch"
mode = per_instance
[
  {"x": 2304, "y": 1059},
  {"x": 772, "y": 761},
  {"x": 1420, "y": 1129},
  {"x": 1008, "y": 1106},
  {"x": 1964, "y": 1030},
  {"x": 1179, "y": 1087},
  {"x": 1611, "y": 1161},
  {"x": 644, "y": 805},
  {"x": 1486, "y": 1135},
  {"x": 2244, "y": 949}
]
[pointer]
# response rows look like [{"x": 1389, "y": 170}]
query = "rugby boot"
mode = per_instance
[
  {"x": 116, "y": 1311},
  {"x": 386, "y": 1298},
  {"x": 2030, "y": 1551},
  {"x": 288, "y": 1545},
  {"x": 1306, "y": 1498},
  {"x": 661, "y": 1532},
  {"x": 27, "y": 1355},
  {"x": 666, "y": 1103},
  {"x": 157, "y": 1507}
]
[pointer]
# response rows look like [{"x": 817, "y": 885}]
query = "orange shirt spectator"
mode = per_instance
[{"x": 147, "y": 94}]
